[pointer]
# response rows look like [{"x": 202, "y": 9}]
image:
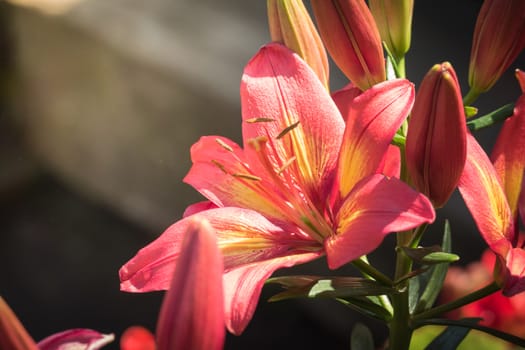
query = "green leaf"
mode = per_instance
[
  {"x": 430, "y": 282},
  {"x": 491, "y": 118},
  {"x": 361, "y": 338},
  {"x": 450, "y": 338},
  {"x": 326, "y": 287}
]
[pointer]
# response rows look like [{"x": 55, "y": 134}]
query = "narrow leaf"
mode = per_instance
[
  {"x": 432, "y": 281},
  {"x": 469, "y": 323},
  {"x": 324, "y": 287},
  {"x": 452, "y": 336},
  {"x": 367, "y": 307}
]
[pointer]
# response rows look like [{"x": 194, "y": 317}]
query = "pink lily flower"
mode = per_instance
[
  {"x": 494, "y": 195},
  {"x": 305, "y": 184}
]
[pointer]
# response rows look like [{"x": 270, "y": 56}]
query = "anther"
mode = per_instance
[
  {"x": 248, "y": 177},
  {"x": 219, "y": 165},
  {"x": 286, "y": 165},
  {"x": 287, "y": 130},
  {"x": 224, "y": 145},
  {"x": 259, "y": 120}
]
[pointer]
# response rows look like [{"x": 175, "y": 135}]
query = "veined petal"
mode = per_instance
[
  {"x": 222, "y": 173},
  {"x": 508, "y": 155},
  {"x": 76, "y": 339},
  {"x": 243, "y": 285},
  {"x": 192, "y": 313},
  {"x": 482, "y": 192},
  {"x": 244, "y": 237},
  {"x": 515, "y": 274},
  {"x": 376, "y": 207},
  {"x": 284, "y": 102},
  {"x": 373, "y": 119}
]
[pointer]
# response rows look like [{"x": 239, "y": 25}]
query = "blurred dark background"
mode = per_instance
[{"x": 100, "y": 101}]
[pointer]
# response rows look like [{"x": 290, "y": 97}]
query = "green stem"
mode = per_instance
[
  {"x": 467, "y": 299},
  {"x": 383, "y": 299},
  {"x": 371, "y": 271},
  {"x": 400, "y": 331},
  {"x": 400, "y": 67},
  {"x": 470, "y": 97}
]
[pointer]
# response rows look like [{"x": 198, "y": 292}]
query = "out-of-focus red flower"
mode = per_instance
[
  {"x": 499, "y": 37},
  {"x": 291, "y": 25},
  {"x": 350, "y": 35},
  {"x": 137, "y": 338},
  {"x": 506, "y": 314},
  {"x": 436, "y": 145}
]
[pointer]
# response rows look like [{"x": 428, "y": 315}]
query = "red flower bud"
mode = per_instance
[
  {"x": 499, "y": 37},
  {"x": 350, "y": 35},
  {"x": 436, "y": 140},
  {"x": 291, "y": 25},
  {"x": 13, "y": 335}
]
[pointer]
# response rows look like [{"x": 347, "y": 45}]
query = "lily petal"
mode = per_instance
[
  {"x": 373, "y": 119},
  {"x": 482, "y": 192},
  {"x": 198, "y": 207},
  {"x": 192, "y": 313},
  {"x": 515, "y": 274},
  {"x": 376, "y": 207},
  {"x": 76, "y": 339},
  {"x": 508, "y": 155},
  {"x": 243, "y": 285},
  {"x": 250, "y": 238},
  {"x": 391, "y": 166},
  {"x": 222, "y": 173},
  {"x": 343, "y": 98},
  {"x": 284, "y": 102}
]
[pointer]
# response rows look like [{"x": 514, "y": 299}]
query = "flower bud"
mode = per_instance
[
  {"x": 192, "y": 313},
  {"x": 394, "y": 21},
  {"x": 499, "y": 37},
  {"x": 13, "y": 335},
  {"x": 436, "y": 140},
  {"x": 291, "y": 25},
  {"x": 350, "y": 35}
]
